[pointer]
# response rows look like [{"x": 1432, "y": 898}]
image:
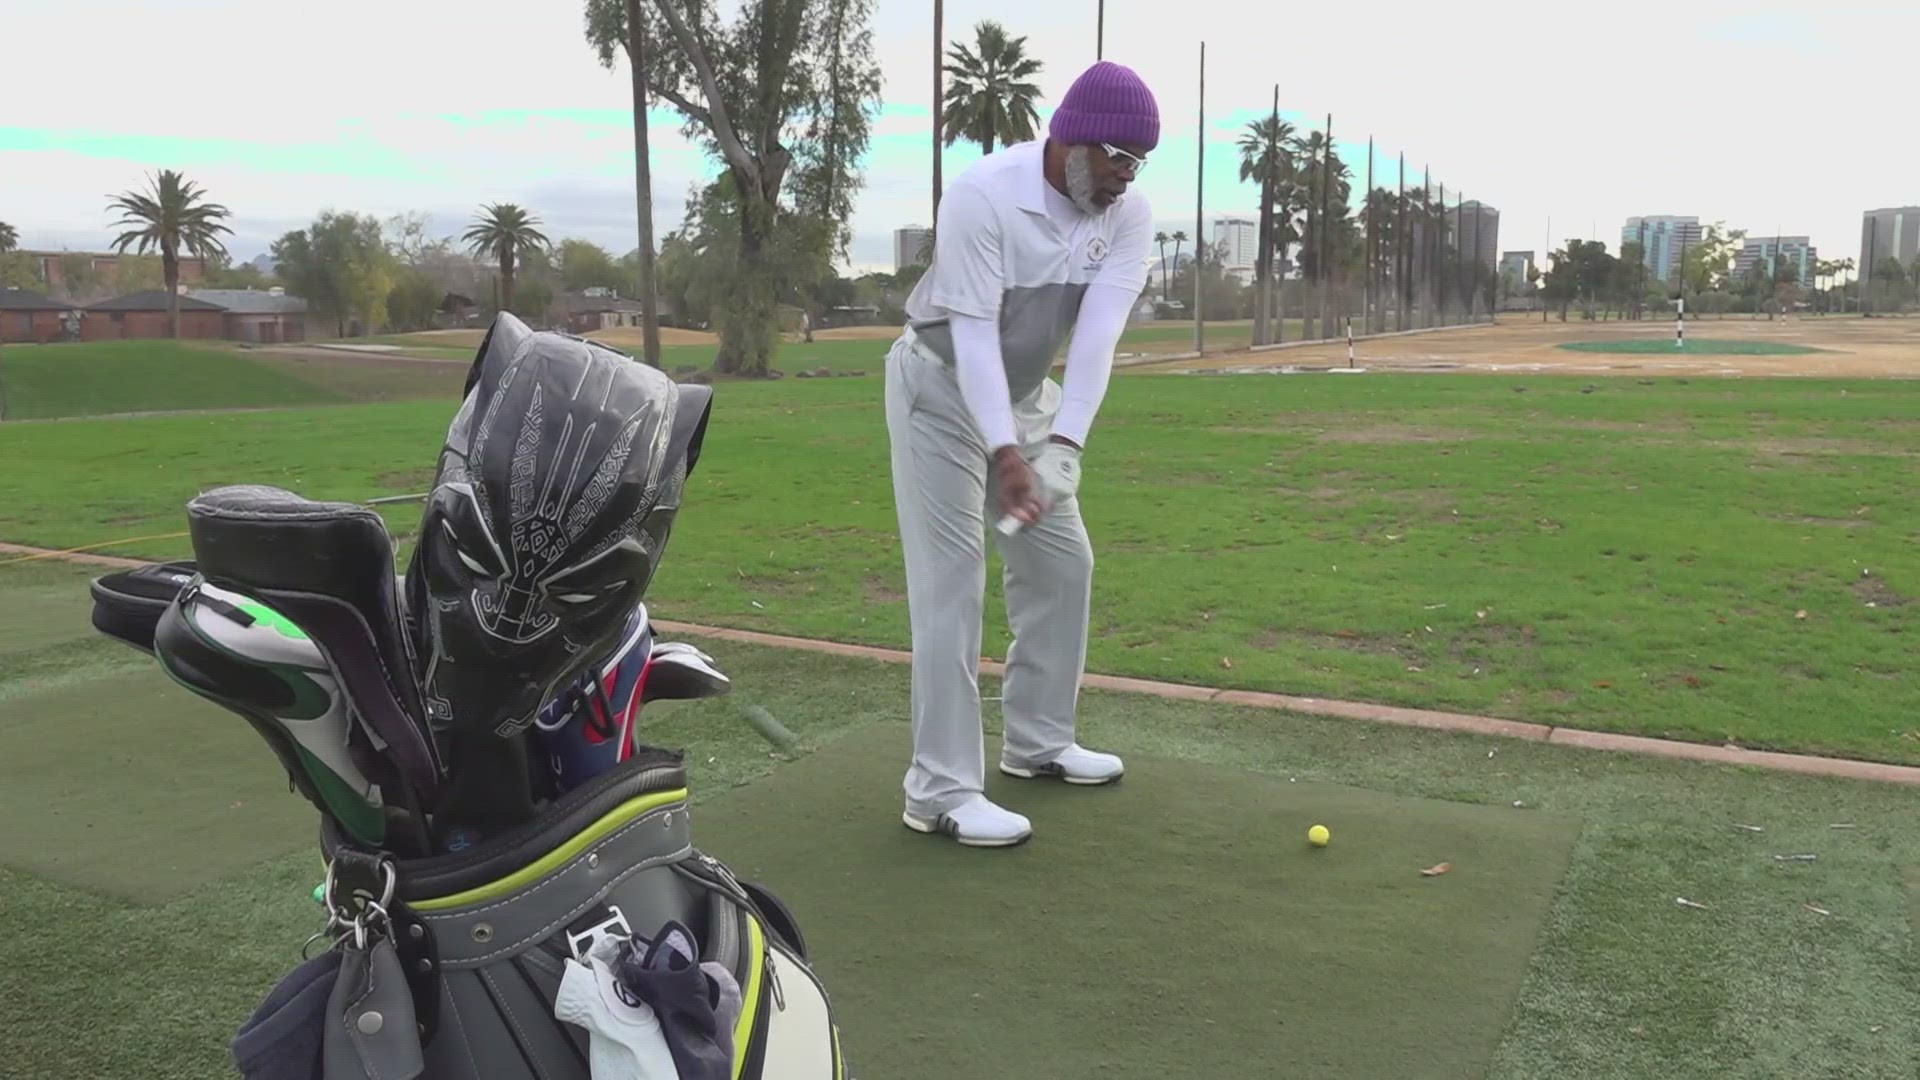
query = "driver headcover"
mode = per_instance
[{"x": 555, "y": 493}]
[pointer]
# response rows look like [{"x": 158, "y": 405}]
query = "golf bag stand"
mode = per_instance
[{"x": 447, "y": 965}]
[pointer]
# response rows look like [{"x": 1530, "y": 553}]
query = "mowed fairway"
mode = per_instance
[{"x": 1707, "y": 559}]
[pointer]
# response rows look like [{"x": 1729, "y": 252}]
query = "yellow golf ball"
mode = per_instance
[{"x": 1318, "y": 836}]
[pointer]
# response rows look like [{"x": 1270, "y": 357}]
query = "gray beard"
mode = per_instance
[{"x": 1080, "y": 180}]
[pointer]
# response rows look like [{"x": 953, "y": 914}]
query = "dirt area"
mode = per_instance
[{"x": 1854, "y": 348}]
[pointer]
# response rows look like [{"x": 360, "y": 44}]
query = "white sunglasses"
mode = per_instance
[{"x": 1119, "y": 157}]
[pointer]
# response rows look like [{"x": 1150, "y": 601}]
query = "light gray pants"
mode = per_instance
[{"x": 943, "y": 486}]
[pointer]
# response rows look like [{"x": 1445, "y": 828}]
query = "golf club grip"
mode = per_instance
[{"x": 1009, "y": 525}]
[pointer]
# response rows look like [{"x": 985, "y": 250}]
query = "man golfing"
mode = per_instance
[{"x": 1035, "y": 244}]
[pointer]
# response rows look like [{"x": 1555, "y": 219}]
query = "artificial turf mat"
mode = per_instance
[
  {"x": 1177, "y": 924},
  {"x": 132, "y": 786}
]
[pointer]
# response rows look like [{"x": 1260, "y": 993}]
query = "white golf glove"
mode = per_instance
[{"x": 1057, "y": 466}]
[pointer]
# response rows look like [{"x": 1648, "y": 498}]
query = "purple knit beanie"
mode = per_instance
[{"x": 1107, "y": 103}]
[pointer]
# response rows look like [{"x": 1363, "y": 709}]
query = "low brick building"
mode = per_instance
[
  {"x": 267, "y": 316},
  {"x": 144, "y": 315},
  {"x": 26, "y": 315}
]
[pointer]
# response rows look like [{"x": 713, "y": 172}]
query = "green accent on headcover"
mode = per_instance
[
  {"x": 556, "y": 858},
  {"x": 1693, "y": 345},
  {"x": 269, "y": 617},
  {"x": 1178, "y": 924},
  {"x": 365, "y": 821}
]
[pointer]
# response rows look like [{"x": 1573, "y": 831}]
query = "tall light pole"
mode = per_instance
[
  {"x": 938, "y": 51},
  {"x": 1100, "y": 33},
  {"x": 1199, "y": 207}
]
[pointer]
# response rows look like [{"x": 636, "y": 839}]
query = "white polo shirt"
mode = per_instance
[{"x": 1010, "y": 246}]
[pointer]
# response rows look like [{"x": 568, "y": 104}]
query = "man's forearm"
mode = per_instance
[
  {"x": 1096, "y": 333},
  {"x": 983, "y": 378}
]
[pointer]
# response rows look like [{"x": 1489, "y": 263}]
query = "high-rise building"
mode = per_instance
[
  {"x": 1240, "y": 239},
  {"x": 1514, "y": 266},
  {"x": 1475, "y": 229},
  {"x": 1891, "y": 233},
  {"x": 1662, "y": 239},
  {"x": 912, "y": 246},
  {"x": 1772, "y": 251}
]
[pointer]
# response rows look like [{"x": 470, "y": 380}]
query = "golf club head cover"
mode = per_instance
[
  {"x": 127, "y": 604},
  {"x": 556, "y": 489},
  {"x": 587, "y": 728},
  {"x": 329, "y": 568}
]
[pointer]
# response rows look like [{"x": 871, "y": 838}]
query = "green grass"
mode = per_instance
[
  {"x": 1701, "y": 346},
  {"x": 1618, "y": 982},
  {"x": 1630, "y": 559},
  {"x": 98, "y": 377}
]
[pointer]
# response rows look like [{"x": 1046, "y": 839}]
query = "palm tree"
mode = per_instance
[
  {"x": 1160, "y": 238},
  {"x": 9, "y": 239},
  {"x": 1178, "y": 239},
  {"x": 504, "y": 232},
  {"x": 1266, "y": 157},
  {"x": 992, "y": 95},
  {"x": 172, "y": 218}
]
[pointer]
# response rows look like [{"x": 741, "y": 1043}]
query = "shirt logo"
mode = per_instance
[{"x": 1096, "y": 249}]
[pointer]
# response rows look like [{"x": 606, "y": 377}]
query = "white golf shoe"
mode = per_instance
[
  {"x": 976, "y": 823},
  {"x": 1076, "y": 765}
]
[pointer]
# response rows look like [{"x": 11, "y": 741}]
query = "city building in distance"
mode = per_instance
[
  {"x": 1662, "y": 239},
  {"x": 1476, "y": 232},
  {"x": 1773, "y": 250},
  {"x": 1889, "y": 233},
  {"x": 1239, "y": 238},
  {"x": 912, "y": 246}
]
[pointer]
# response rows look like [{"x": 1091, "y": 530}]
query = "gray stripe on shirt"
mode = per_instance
[{"x": 1034, "y": 323}]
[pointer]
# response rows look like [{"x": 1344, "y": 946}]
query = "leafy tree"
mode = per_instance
[
  {"x": 81, "y": 279},
  {"x": 1266, "y": 158},
  {"x": 19, "y": 271},
  {"x": 991, "y": 95},
  {"x": 9, "y": 238},
  {"x": 341, "y": 265},
  {"x": 171, "y": 217},
  {"x": 505, "y": 232},
  {"x": 138, "y": 273},
  {"x": 782, "y": 93},
  {"x": 719, "y": 274},
  {"x": 585, "y": 265},
  {"x": 413, "y": 301},
  {"x": 1708, "y": 265}
]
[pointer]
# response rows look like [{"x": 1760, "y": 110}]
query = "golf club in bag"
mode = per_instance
[{"x": 512, "y": 886}]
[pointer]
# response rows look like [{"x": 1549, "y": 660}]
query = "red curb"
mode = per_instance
[
  {"x": 1389, "y": 714},
  {"x": 72, "y": 556},
  {"x": 1803, "y": 764}
]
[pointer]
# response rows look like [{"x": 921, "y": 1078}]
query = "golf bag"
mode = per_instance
[{"x": 529, "y": 947}]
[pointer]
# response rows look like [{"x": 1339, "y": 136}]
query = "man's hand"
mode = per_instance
[
  {"x": 1057, "y": 466},
  {"x": 1019, "y": 489}
]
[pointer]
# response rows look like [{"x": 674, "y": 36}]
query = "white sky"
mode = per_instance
[{"x": 1760, "y": 113}]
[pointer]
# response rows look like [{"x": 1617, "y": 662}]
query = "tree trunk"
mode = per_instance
[
  {"x": 746, "y": 318},
  {"x": 506, "y": 280},
  {"x": 1263, "y": 267},
  {"x": 643, "y": 188},
  {"x": 170, "y": 267}
]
